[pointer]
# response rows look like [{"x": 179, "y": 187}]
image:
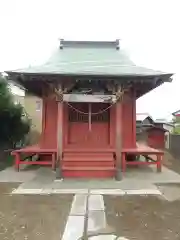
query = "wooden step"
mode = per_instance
[
  {"x": 75, "y": 163},
  {"x": 88, "y": 158},
  {"x": 90, "y": 154},
  {"x": 87, "y": 164},
  {"x": 88, "y": 168},
  {"x": 89, "y": 150},
  {"x": 88, "y": 172}
]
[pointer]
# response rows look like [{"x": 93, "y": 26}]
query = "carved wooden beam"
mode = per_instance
[{"x": 69, "y": 86}]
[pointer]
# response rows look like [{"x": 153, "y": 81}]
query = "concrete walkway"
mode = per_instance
[
  {"x": 87, "y": 220},
  {"x": 136, "y": 181}
]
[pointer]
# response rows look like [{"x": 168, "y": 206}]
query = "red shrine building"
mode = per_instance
[{"x": 89, "y": 91}]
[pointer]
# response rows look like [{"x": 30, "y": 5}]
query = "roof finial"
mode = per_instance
[
  {"x": 117, "y": 44},
  {"x": 61, "y": 43}
]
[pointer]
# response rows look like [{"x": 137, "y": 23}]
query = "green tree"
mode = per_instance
[
  {"x": 13, "y": 125},
  {"x": 176, "y": 122}
]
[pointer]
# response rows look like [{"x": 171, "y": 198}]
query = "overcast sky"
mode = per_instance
[{"x": 149, "y": 30}]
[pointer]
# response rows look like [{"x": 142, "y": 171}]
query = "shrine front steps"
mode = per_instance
[{"x": 88, "y": 165}]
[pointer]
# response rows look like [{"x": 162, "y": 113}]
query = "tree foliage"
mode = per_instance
[
  {"x": 176, "y": 122},
  {"x": 13, "y": 125}
]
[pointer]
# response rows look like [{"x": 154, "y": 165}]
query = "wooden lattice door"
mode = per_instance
[{"x": 89, "y": 124}]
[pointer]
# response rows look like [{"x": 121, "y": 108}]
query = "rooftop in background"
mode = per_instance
[
  {"x": 176, "y": 114},
  {"x": 163, "y": 122},
  {"x": 142, "y": 116}
]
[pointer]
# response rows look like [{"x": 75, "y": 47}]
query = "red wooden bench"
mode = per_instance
[
  {"x": 31, "y": 151},
  {"x": 152, "y": 156}
]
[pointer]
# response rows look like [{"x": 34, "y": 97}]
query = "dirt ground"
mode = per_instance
[
  {"x": 146, "y": 217},
  {"x": 172, "y": 162},
  {"x": 143, "y": 218},
  {"x": 34, "y": 217}
]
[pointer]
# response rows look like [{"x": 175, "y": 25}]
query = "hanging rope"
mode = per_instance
[
  {"x": 119, "y": 96},
  {"x": 86, "y": 113}
]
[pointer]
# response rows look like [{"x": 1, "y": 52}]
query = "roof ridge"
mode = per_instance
[{"x": 82, "y": 43}]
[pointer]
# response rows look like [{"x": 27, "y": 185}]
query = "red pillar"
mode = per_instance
[
  {"x": 43, "y": 122},
  {"x": 59, "y": 138},
  {"x": 118, "y": 139},
  {"x": 134, "y": 117}
]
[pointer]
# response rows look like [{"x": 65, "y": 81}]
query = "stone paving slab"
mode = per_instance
[
  {"x": 143, "y": 192},
  {"x": 79, "y": 205},
  {"x": 96, "y": 220},
  {"x": 108, "y": 237},
  {"x": 74, "y": 228},
  {"x": 107, "y": 191},
  {"x": 27, "y": 191},
  {"x": 49, "y": 191},
  {"x": 85, "y": 191},
  {"x": 96, "y": 202},
  {"x": 92, "y": 209},
  {"x": 70, "y": 191}
]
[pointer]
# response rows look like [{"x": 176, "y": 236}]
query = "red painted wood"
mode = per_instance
[
  {"x": 88, "y": 174},
  {"x": 34, "y": 149},
  {"x": 127, "y": 122},
  {"x": 92, "y": 163},
  {"x": 80, "y": 134},
  {"x": 144, "y": 150},
  {"x": 36, "y": 162},
  {"x": 78, "y": 139},
  {"x": 43, "y": 121},
  {"x": 112, "y": 125},
  {"x": 89, "y": 150},
  {"x": 65, "y": 125},
  {"x": 50, "y": 131},
  {"x": 134, "y": 116},
  {"x": 48, "y": 154},
  {"x": 59, "y": 130},
  {"x": 87, "y": 163},
  {"x": 87, "y": 157},
  {"x": 119, "y": 140},
  {"x": 156, "y": 138},
  {"x": 140, "y": 163}
]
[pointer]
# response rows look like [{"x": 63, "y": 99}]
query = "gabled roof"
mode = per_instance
[
  {"x": 177, "y": 113},
  {"x": 142, "y": 116},
  {"x": 163, "y": 121},
  {"x": 158, "y": 128},
  {"x": 91, "y": 58}
]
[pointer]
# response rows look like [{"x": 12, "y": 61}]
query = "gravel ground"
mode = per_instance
[
  {"x": 33, "y": 217},
  {"x": 142, "y": 217}
]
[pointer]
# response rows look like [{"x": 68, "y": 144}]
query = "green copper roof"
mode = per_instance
[{"x": 90, "y": 58}]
